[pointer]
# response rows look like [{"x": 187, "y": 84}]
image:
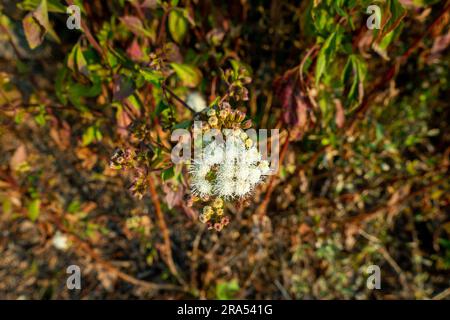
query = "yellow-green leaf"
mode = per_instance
[
  {"x": 33, "y": 209},
  {"x": 190, "y": 76},
  {"x": 177, "y": 25}
]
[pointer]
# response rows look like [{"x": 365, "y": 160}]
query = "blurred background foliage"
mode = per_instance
[{"x": 365, "y": 148}]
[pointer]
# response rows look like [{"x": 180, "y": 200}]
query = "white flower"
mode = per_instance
[
  {"x": 225, "y": 188},
  {"x": 203, "y": 170},
  {"x": 242, "y": 172},
  {"x": 196, "y": 101},
  {"x": 254, "y": 175},
  {"x": 242, "y": 188},
  {"x": 198, "y": 170},
  {"x": 226, "y": 171},
  {"x": 60, "y": 241},
  {"x": 201, "y": 186},
  {"x": 251, "y": 156},
  {"x": 213, "y": 153}
]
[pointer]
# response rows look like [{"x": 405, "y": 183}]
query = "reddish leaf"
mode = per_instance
[
  {"x": 134, "y": 25},
  {"x": 33, "y": 31},
  {"x": 134, "y": 51}
]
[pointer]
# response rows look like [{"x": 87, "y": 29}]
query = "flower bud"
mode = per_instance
[
  {"x": 232, "y": 115},
  {"x": 246, "y": 80},
  {"x": 219, "y": 212},
  {"x": 218, "y": 203},
  {"x": 207, "y": 210},
  {"x": 225, "y": 220},
  {"x": 205, "y": 127},
  {"x": 218, "y": 226},
  {"x": 246, "y": 124},
  {"x": 203, "y": 218},
  {"x": 213, "y": 121},
  {"x": 223, "y": 113},
  {"x": 240, "y": 116}
]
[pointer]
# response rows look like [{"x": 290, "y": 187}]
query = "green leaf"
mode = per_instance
[
  {"x": 346, "y": 73},
  {"x": 190, "y": 76},
  {"x": 167, "y": 174},
  {"x": 227, "y": 290},
  {"x": 53, "y": 6},
  {"x": 320, "y": 66},
  {"x": 325, "y": 55},
  {"x": 81, "y": 63},
  {"x": 355, "y": 66},
  {"x": 88, "y": 136},
  {"x": 76, "y": 61},
  {"x": 151, "y": 76},
  {"x": 77, "y": 91},
  {"x": 59, "y": 84},
  {"x": 177, "y": 25},
  {"x": 183, "y": 125},
  {"x": 395, "y": 15},
  {"x": 92, "y": 133},
  {"x": 134, "y": 101},
  {"x": 397, "y": 12},
  {"x": 34, "y": 209},
  {"x": 239, "y": 65}
]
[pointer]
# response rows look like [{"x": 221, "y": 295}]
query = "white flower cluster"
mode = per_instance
[{"x": 228, "y": 170}]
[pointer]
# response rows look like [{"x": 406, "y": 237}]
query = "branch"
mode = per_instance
[
  {"x": 166, "y": 250},
  {"x": 165, "y": 88},
  {"x": 353, "y": 222}
]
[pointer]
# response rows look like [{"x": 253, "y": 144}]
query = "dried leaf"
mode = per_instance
[
  {"x": 135, "y": 25},
  {"x": 33, "y": 31},
  {"x": 340, "y": 114},
  {"x": 19, "y": 157}
]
